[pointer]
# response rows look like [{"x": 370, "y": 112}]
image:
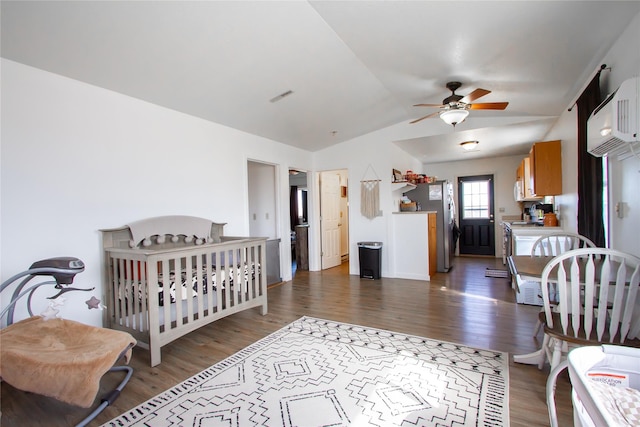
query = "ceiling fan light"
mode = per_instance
[
  {"x": 469, "y": 145},
  {"x": 454, "y": 116}
]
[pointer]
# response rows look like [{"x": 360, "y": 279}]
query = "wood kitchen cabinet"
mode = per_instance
[
  {"x": 433, "y": 237},
  {"x": 523, "y": 190},
  {"x": 545, "y": 163},
  {"x": 518, "y": 189},
  {"x": 302, "y": 247}
]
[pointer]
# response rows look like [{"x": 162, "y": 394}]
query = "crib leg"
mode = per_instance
[
  {"x": 155, "y": 355},
  {"x": 263, "y": 309}
]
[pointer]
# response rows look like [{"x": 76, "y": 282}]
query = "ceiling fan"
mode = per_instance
[{"x": 455, "y": 108}]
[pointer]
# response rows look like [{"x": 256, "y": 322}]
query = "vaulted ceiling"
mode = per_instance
[{"x": 351, "y": 67}]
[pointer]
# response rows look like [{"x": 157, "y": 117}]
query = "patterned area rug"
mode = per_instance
[{"x": 315, "y": 372}]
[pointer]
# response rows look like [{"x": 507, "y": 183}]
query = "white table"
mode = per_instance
[{"x": 530, "y": 269}]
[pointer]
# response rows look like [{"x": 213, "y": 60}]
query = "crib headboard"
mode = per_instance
[{"x": 163, "y": 232}]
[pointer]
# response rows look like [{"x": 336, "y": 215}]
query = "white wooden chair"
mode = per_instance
[
  {"x": 598, "y": 304},
  {"x": 598, "y": 301},
  {"x": 556, "y": 244}
]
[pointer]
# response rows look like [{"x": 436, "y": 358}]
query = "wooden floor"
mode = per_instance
[{"x": 461, "y": 306}]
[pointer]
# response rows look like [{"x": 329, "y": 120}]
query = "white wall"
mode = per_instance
[
  {"x": 372, "y": 156},
  {"x": 566, "y": 130},
  {"x": 77, "y": 159},
  {"x": 503, "y": 170}
]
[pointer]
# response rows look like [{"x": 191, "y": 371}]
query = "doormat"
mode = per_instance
[
  {"x": 316, "y": 372},
  {"x": 495, "y": 272}
]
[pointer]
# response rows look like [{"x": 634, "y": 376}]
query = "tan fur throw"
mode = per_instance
[{"x": 60, "y": 358}]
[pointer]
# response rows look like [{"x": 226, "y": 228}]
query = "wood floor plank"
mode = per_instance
[{"x": 461, "y": 306}]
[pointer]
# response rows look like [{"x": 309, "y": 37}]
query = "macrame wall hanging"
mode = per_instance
[{"x": 370, "y": 195}]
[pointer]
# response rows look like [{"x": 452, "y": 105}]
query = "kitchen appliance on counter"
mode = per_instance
[
  {"x": 438, "y": 196},
  {"x": 538, "y": 210}
]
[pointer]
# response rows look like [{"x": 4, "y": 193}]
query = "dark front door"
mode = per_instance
[{"x": 477, "y": 226}]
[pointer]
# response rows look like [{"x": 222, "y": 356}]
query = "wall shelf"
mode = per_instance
[{"x": 403, "y": 186}]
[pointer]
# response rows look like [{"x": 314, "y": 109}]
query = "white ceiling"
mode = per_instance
[{"x": 353, "y": 66}]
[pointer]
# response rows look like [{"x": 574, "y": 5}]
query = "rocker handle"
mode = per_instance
[{"x": 63, "y": 269}]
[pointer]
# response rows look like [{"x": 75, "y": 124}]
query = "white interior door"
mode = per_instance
[{"x": 330, "y": 219}]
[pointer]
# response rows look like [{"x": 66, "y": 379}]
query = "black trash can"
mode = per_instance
[{"x": 370, "y": 259}]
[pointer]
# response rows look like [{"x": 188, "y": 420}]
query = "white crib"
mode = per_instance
[{"x": 167, "y": 276}]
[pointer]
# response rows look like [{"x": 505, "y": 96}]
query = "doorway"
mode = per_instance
[
  {"x": 477, "y": 224},
  {"x": 263, "y": 218},
  {"x": 334, "y": 218},
  {"x": 298, "y": 220}
]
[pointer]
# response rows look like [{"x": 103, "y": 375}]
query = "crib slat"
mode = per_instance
[
  {"x": 253, "y": 272},
  {"x": 228, "y": 269},
  {"x": 144, "y": 291},
  {"x": 188, "y": 271},
  {"x": 200, "y": 269},
  {"x": 131, "y": 288},
  {"x": 166, "y": 294},
  {"x": 254, "y": 263},
  {"x": 135, "y": 295},
  {"x": 217, "y": 266},
  {"x": 126, "y": 290},
  {"x": 214, "y": 276},
  {"x": 116, "y": 293},
  {"x": 178, "y": 290},
  {"x": 153, "y": 309},
  {"x": 244, "y": 274}
]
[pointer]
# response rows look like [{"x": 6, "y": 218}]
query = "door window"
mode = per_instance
[{"x": 475, "y": 199}]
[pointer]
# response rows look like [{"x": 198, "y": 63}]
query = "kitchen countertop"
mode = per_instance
[
  {"x": 413, "y": 212},
  {"x": 530, "y": 228}
]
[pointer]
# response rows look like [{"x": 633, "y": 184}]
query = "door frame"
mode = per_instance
[
  {"x": 489, "y": 250},
  {"x": 344, "y": 220}
]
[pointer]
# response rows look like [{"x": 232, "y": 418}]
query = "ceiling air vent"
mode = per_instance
[{"x": 281, "y": 96}]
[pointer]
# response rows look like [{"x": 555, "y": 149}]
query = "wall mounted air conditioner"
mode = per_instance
[{"x": 613, "y": 128}]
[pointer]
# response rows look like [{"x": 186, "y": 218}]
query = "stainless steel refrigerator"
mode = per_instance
[{"x": 438, "y": 196}]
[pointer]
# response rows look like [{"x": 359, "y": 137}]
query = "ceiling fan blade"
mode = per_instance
[
  {"x": 425, "y": 117},
  {"x": 474, "y": 95},
  {"x": 428, "y": 105},
  {"x": 489, "y": 106}
]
